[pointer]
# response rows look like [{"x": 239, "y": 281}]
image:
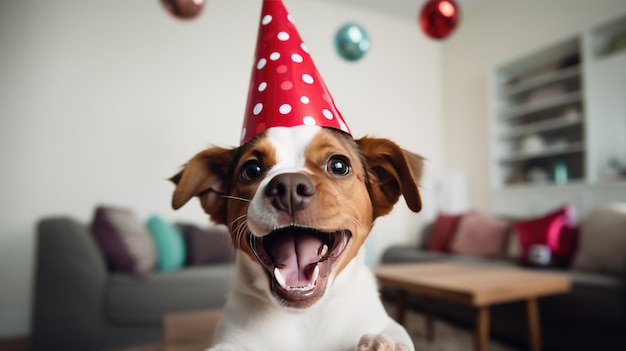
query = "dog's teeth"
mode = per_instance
[
  {"x": 316, "y": 274},
  {"x": 323, "y": 251},
  {"x": 279, "y": 278}
]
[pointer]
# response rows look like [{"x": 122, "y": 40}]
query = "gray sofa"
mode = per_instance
[
  {"x": 79, "y": 305},
  {"x": 591, "y": 317}
]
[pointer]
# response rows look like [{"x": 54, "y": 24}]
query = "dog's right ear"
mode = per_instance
[{"x": 205, "y": 176}]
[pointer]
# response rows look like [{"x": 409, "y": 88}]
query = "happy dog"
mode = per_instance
[{"x": 300, "y": 196}]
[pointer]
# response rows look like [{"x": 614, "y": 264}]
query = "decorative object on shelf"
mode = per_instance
[
  {"x": 549, "y": 92},
  {"x": 561, "y": 172},
  {"x": 515, "y": 177},
  {"x": 557, "y": 143},
  {"x": 439, "y": 18},
  {"x": 532, "y": 143},
  {"x": 537, "y": 175},
  {"x": 351, "y": 42},
  {"x": 183, "y": 9},
  {"x": 572, "y": 114}
]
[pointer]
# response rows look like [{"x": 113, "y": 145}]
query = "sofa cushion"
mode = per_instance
[
  {"x": 207, "y": 245},
  {"x": 480, "y": 235},
  {"x": 123, "y": 240},
  {"x": 402, "y": 253},
  {"x": 143, "y": 302},
  {"x": 554, "y": 230},
  {"x": 602, "y": 245},
  {"x": 443, "y": 232},
  {"x": 169, "y": 243}
]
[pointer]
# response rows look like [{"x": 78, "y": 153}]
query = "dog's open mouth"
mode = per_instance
[{"x": 299, "y": 261}]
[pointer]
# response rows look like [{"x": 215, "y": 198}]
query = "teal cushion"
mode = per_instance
[{"x": 169, "y": 243}]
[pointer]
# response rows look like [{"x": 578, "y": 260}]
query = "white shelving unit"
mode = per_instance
[
  {"x": 539, "y": 109},
  {"x": 558, "y": 123}
]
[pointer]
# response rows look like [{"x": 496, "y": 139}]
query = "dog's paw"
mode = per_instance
[{"x": 370, "y": 342}]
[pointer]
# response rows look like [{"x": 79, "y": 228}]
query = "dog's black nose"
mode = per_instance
[{"x": 290, "y": 192}]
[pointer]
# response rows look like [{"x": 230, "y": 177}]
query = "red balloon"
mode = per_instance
[{"x": 439, "y": 18}]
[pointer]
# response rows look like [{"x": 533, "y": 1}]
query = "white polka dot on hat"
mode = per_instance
[{"x": 286, "y": 90}]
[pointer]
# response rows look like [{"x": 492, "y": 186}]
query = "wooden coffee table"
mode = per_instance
[{"x": 477, "y": 286}]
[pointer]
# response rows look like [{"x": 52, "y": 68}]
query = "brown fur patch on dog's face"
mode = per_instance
[{"x": 339, "y": 202}]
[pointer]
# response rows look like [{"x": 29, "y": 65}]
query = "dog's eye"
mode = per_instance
[
  {"x": 251, "y": 170},
  {"x": 338, "y": 166}
]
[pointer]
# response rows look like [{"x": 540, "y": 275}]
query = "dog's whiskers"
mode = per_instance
[
  {"x": 232, "y": 227},
  {"x": 235, "y": 198},
  {"x": 353, "y": 220},
  {"x": 239, "y": 227}
]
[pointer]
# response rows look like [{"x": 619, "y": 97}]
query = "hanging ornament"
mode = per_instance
[
  {"x": 183, "y": 9},
  {"x": 351, "y": 42},
  {"x": 439, "y": 18}
]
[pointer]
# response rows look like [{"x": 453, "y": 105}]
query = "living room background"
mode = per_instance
[{"x": 101, "y": 101}]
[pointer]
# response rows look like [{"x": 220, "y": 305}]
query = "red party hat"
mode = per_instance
[{"x": 285, "y": 88}]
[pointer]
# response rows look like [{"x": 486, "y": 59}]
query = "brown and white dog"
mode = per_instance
[{"x": 299, "y": 203}]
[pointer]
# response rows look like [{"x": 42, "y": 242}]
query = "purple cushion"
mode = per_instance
[
  {"x": 125, "y": 243},
  {"x": 207, "y": 245}
]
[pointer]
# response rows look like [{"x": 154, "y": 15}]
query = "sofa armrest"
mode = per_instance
[{"x": 70, "y": 275}]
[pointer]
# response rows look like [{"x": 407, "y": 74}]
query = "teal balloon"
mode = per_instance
[{"x": 351, "y": 42}]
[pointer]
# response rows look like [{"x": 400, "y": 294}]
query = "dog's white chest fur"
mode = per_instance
[{"x": 350, "y": 309}]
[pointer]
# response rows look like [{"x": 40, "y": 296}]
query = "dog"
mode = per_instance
[{"x": 299, "y": 203}]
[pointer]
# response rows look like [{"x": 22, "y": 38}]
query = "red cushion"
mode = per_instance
[
  {"x": 443, "y": 232},
  {"x": 554, "y": 229},
  {"x": 568, "y": 242}
]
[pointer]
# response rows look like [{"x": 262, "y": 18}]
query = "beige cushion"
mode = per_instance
[
  {"x": 602, "y": 245},
  {"x": 124, "y": 240},
  {"x": 480, "y": 235}
]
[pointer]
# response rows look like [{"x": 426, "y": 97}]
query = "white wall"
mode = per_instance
[
  {"x": 101, "y": 101},
  {"x": 496, "y": 32}
]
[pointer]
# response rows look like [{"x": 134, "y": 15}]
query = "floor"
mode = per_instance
[
  {"x": 14, "y": 344},
  {"x": 187, "y": 332},
  {"x": 183, "y": 336}
]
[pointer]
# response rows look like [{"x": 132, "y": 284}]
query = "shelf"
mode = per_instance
[
  {"x": 557, "y": 115},
  {"x": 544, "y": 104},
  {"x": 540, "y": 127},
  {"x": 570, "y": 148},
  {"x": 541, "y": 80}
]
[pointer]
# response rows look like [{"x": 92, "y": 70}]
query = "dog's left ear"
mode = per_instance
[
  {"x": 205, "y": 176},
  {"x": 393, "y": 172}
]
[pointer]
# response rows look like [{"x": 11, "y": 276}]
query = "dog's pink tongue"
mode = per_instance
[{"x": 296, "y": 257}]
